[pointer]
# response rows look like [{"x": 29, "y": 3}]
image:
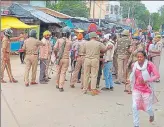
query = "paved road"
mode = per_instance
[{"x": 44, "y": 106}]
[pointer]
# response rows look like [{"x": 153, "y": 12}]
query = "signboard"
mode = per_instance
[{"x": 5, "y": 12}]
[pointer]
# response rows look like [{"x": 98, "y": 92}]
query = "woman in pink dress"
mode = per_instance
[{"x": 142, "y": 76}]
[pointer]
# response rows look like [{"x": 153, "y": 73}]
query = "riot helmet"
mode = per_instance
[
  {"x": 33, "y": 33},
  {"x": 66, "y": 31},
  {"x": 8, "y": 32}
]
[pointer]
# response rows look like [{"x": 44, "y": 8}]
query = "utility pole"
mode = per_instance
[
  {"x": 128, "y": 13},
  {"x": 93, "y": 10},
  {"x": 100, "y": 13}
]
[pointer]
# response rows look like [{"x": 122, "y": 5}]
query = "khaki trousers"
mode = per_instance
[
  {"x": 91, "y": 67},
  {"x": 115, "y": 64},
  {"x": 156, "y": 61},
  {"x": 61, "y": 70},
  {"x": 79, "y": 64},
  {"x": 6, "y": 65},
  {"x": 31, "y": 61},
  {"x": 122, "y": 63},
  {"x": 47, "y": 66}
]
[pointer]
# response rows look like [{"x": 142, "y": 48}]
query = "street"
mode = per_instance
[{"x": 43, "y": 105}]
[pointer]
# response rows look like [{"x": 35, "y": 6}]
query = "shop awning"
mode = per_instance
[{"x": 13, "y": 22}]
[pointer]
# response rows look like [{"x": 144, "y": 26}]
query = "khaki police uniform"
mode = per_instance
[
  {"x": 63, "y": 65},
  {"x": 31, "y": 47},
  {"x": 5, "y": 61},
  {"x": 123, "y": 56},
  {"x": 91, "y": 62},
  {"x": 79, "y": 63},
  {"x": 157, "y": 57}
]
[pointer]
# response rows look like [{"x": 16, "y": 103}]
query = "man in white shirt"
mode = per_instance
[{"x": 108, "y": 63}]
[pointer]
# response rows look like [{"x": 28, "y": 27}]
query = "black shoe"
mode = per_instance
[
  {"x": 97, "y": 86},
  {"x": 117, "y": 82},
  {"x": 111, "y": 88},
  {"x": 105, "y": 89},
  {"x": 61, "y": 89},
  {"x": 43, "y": 82},
  {"x": 46, "y": 80},
  {"x": 57, "y": 87},
  {"x": 49, "y": 78}
]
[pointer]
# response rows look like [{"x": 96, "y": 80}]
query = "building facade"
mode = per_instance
[
  {"x": 97, "y": 9},
  {"x": 114, "y": 11}
]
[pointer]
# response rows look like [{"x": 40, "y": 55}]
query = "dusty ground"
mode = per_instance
[{"x": 44, "y": 106}]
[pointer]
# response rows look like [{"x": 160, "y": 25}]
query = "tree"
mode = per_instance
[
  {"x": 73, "y": 8},
  {"x": 138, "y": 11},
  {"x": 155, "y": 21}
]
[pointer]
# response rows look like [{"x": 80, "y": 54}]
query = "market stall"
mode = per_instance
[{"x": 15, "y": 23}]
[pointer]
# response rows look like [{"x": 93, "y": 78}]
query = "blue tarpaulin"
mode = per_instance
[{"x": 15, "y": 46}]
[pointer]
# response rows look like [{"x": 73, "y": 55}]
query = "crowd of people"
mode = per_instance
[{"x": 133, "y": 59}]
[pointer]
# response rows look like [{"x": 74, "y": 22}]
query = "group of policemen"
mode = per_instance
[{"x": 88, "y": 54}]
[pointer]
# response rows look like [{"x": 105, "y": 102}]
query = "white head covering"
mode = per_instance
[{"x": 106, "y": 36}]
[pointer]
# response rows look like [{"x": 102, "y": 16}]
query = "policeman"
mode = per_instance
[
  {"x": 123, "y": 54},
  {"x": 5, "y": 60},
  {"x": 92, "y": 50},
  {"x": 61, "y": 51},
  {"x": 136, "y": 46},
  {"x": 80, "y": 60},
  {"x": 30, "y": 47},
  {"x": 156, "y": 51}
]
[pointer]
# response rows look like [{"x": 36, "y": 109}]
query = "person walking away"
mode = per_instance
[
  {"x": 72, "y": 53},
  {"x": 61, "y": 50},
  {"x": 22, "y": 54},
  {"x": 31, "y": 47},
  {"x": 115, "y": 56},
  {"x": 45, "y": 52},
  {"x": 108, "y": 64},
  {"x": 156, "y": 51},
  {"x": 143, "y": 74},
  {"x": 5, "y": 57},
  {"x": 123, "y": 54},
  {"x": 100, "y": 65},
  {"x": 148, "y": 47},
  {"x": 92, "y": 50},
  {"x": 79, "y": 48}
]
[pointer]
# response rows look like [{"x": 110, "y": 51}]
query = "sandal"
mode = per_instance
[
  {"x": 13, "y": 81},
  {"x": 3, "y": 81},
  {"x": 27, "y": 84},
  {"x": 93, "y": 92},
  {"x": 129, "y": 92},
  {"x": 33, "y": 83},
  {"x": 151, "y": 119},
  {"x": 61, "y": 89},
  {"x": 126, "y": 91},
  {"x": 72, "y": 86},
  {"x": 57, "y": 87}
]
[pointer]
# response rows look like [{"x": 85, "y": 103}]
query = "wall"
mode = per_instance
[{"x": 96, "y": 8}]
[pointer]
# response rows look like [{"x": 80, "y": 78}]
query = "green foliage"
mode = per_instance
[
  {"x": 74, "y": 8},
  {"x": 155, "y": 21},
  {"x": 138, "y": 11}
]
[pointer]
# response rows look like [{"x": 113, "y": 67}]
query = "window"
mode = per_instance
[
  {"x": 107, "y": 8},
  {"x": 116, "y": 9},
  {"x": 111, "y": 9}
]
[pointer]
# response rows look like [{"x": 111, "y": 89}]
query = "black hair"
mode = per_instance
[
  {"x": 144, "y": 53},
  {"x": 66, "y": 34},
  {"x": 150, "y": 38}
]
